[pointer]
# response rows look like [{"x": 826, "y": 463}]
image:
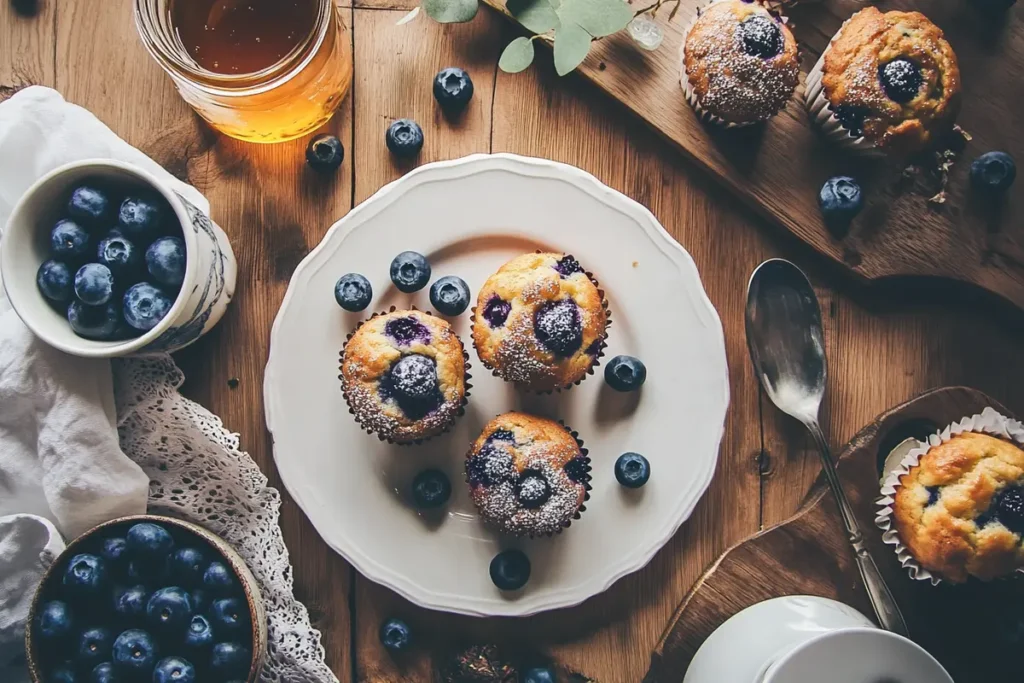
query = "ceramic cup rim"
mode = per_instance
[
  {"x": 26, "y": 305},
  {"x": 769, "y": 674}
]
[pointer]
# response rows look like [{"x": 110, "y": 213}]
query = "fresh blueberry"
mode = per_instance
[
  {"x": 130, "y": 604},
  {"x": 413, "y": 383},
  {"x": 54, "y": 623},
  {"x": 510, "y": 570},
  {"x": 353, "y": 292},
  {"x": 174, "y": 670},
  {"x": 761, "y": 36},
  {"x": 492, "y": 465},
  {"x": 140, "y": 219},
  {"x": 69, "y": 242},
  {"x": 145, "y": 306},
  {"x": 149, "y": 542},
  {"x": 453, "y": 89},
  {"x": 993, "y": 172},
  {"x": 169, "y": 609},
  {"x": 103, "y": 673},
  {"x": 90, "y": 205},
  {"x": 625, "y": 373},
  {"x": 119, "y": 254},
  {"x": 54, "y": 281},
  {"x": 325, "y": 153},
  {"x": 404, "y": 138},
  {"x": 85, "y": 576},
  {"x": 558, "y": 326},
  {"x": 431, "y": 489},
  {"x": 230, "y": 659},
  {"x": 395, "y": 635},
  {"x": 135, "y": 653},
  {"x": 151, "y": 572},
  {"x": 1010, "y": 508},
  {"x": 94, "y": 647},
  {"x": 450, "y": 295},
  {"x": 165, "y": 261},
  {"x": 94, "y": 322},
  {"x": 410, "y": 271},
  {"x": 405, "y": 331},
  {"x": 532, "y": 489},
  {"x": 496, "y": 311},
  {"x": 199, "y": 636},
  {"x": 62, "y": 674},
  {"x": 901, "y": 79},
  {"x": 218, "y": 579},
  {"x": 539, "y": 674},
  {"x": 567, "y": 266},
  {"x": 187, "y": 566},
  {"x": 840, "y": 200},
  {"x": 94, "y": 284},
  {"x": 632, "y": 470},
  {"x": 114, "y": 552},
  {"x": 229, "y": 617}
]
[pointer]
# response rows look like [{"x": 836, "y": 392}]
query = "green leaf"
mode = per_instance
[
  {"x": 517, "y": 56},
  {"x": 536, "y": 15},
  {"x": 572, "y": 43},
  {"x": 451, "y": 11},
  {"x": 599, "y": 18}
]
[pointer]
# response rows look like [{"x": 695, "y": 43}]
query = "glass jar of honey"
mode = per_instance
[{"x": 257, "y": 70}]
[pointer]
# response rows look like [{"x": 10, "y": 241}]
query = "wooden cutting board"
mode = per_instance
[
  {"x": 965, "y": 627},
  {"x": 779, "y": 167}
]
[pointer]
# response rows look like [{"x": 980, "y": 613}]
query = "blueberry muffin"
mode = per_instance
[
  {"x": 740, "y": 63},
  {"x": 540, "y": 322},
  {"x": 528, "y": 475},
  {"x": 887, "y": 83},
  {"x": 403, "y": 374},
  {"x": 960, "y": 510}
]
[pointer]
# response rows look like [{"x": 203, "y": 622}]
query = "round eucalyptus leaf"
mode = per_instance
[
  {"x": 572, "y": 43},
  {"x": 451, "y": 11},
  {"x": 536, "y": 15},
  {"x": 518, "y": 55},
  {"x": 599, "y": 18}
]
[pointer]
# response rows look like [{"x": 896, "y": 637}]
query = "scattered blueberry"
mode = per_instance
[
  {"x": 325, "y": 153},
  {"x": 118, "y": 254},
  {"x": 840, "y": 200},
  {"x": 353, "y": 292},
  {"x": 145, "y": 306},
  {"x": 114, "y": 553},
  {"x": 453, "y": 89},
  {"x": 625, "y": 373},
  {"x": 510, "y": 570},
  {"x": 187, "y": 566},
  {"x": 94, "y": 322},
  {"x": 169, "y": 609},
  {"x": 94, "y": 647},
  {"x": 70, "y": 242},
  {"x": 130, "y": 604},
  {"x": 450, "y": 295},
  {"x": 218, "y": 579},
  {"x": 632, "y": 470},
  {"x": 558, "y": 326},
  {"x": 54, "y": 281},
  {"x": 149, "y": 542},
  {"x": 103, "y": 673},
  {"x": 1010, "y": 508},
  {"x": 165, "y": 261},
  {"x": 901, "y": 79},
  {"x": 230, "y": 659},
  {"x": 135, "y": 653},
  {"x": 90, "y": 205},
  {"x": 174, "y": 670},
  {"x": 539, "y": 675},
  {"x": 532, "y": 489},
  {"x": 431, "y": 489},
  {"x": 140, "y": 219},
  {"x": 993, "y": 172},
  {"x": 410, "y": 271},
  {"x": 395, "y": 635},
  {"x": 94, "y": 284},
  {"x": 54, "y": 622},
  {"x": 404, "y": 138},
  {"x": 761, "y": 36},
  {"x": 199, "y": 636},
  {"x": 62, "y": 674},
  {"x": 85, "y": 576},
  {"x": 496, "y": 311},
  {"x": 229, "y": 616}
]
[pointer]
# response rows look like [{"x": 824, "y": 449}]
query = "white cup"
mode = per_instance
[{"x": 210, "y": 268}]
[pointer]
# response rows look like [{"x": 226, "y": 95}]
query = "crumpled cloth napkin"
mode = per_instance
[{"x": 61, "y": 466}]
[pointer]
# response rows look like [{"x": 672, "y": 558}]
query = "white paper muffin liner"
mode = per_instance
[{"x": 987, "y": 422}]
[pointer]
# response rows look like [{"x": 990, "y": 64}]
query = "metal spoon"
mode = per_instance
[{"x": 788, "y": 349}]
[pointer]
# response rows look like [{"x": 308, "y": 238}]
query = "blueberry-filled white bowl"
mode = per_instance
[{"x": 25, "y": 246}]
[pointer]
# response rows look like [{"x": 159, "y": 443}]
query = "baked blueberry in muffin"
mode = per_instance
[
  {"x": 527, "y": 475},
  {"x": 403, "y": 374},
  {"x": 540, "y": 322},
  {"x": 960, "y": 510}
]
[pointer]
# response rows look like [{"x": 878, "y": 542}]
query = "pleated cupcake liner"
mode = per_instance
[
  {"x": 989, "y": 422},
  {"x": 595, "y": 363},
  {"x": 415, "y": 442}
]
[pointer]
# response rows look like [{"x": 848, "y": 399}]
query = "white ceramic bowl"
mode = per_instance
[{"x": 209, "y": 276}]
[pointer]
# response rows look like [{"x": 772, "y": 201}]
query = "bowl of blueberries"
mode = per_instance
[
  {"x": 146, "y": 598},
  {"x": 100, "y": 259}
]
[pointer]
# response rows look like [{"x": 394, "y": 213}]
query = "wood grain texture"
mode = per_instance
[
  {"x": 779, "y": 167},
  {"x": 965, "y": 627}
]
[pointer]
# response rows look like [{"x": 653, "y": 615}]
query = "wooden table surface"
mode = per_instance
[{"x": 885, "y": 344}]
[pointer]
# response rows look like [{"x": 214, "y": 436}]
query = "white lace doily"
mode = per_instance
[{"x": 197, "y": 473}]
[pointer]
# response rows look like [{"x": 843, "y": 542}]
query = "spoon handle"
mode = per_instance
[{"x": 882, "y": 601}]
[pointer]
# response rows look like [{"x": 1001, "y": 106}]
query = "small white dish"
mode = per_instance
[
  {"x": 209, "y": 275},
  {"x": 469, "y": 216}
]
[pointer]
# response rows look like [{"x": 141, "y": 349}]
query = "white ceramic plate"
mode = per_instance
[{"x": 469, "y": 216}]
